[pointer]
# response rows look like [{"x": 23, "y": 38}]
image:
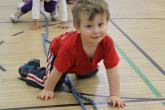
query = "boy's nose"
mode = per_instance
[{"x": 96, "y": 30}]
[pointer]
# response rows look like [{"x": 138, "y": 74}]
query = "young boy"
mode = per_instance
[{"x": 79, "y": 52}]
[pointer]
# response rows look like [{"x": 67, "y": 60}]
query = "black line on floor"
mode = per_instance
[
  {"x": 48, "y": 106},
  {"x": 18, "y": 33},
  {"x": 3, "y": 69},
  {"x": 98, "y": 103},
  {"x": 140, "y": 49},
  {"x": 2, "y": 42},
  {"x": 141, "y": 18},
  {"x": 70, "y": 20}
]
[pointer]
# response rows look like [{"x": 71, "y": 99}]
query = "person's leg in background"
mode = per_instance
[
  {"x": 24, "y": 9},
  {"x": 51, "y": 8}
]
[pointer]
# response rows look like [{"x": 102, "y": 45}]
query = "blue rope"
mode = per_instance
[
  {"x": 46, "y": 19},
  {"x": 68, "y": 82}
]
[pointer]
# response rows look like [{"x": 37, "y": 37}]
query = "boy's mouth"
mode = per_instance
[{"x": 96, "y": 37}]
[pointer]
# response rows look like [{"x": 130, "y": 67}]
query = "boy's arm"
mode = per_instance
[
  {"x": 114, "y": 81},
  {"x": 114, "y": 85},
  {"x": 48, "y": 91}
]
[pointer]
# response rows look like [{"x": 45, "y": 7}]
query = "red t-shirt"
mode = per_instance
[{"x": 71, "y": 57}]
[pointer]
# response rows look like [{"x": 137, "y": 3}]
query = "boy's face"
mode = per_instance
[{"x": 92, "y": 32}]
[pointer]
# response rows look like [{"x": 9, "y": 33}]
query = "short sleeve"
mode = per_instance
[{"x": 111, "y": 58}]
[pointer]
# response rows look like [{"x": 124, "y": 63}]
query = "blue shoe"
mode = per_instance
[
  {"x": 25, "y": 69},
  {"x": 31, "y": 64}
]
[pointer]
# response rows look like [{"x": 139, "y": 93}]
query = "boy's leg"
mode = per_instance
[
  {"x": 50, "y": 7},
  {"x": 37, "y": 77}
]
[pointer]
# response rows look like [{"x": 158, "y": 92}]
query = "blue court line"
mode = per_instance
[
  {"x": 2, "y": 42},
  {"x": 3, "y": 69},
  {"x": 72, "y": 20},
  {"x": 18, "y": 33},
  {"x": 137, "y": 70},
  {"x": 98, "y": 103},
  {"x": 134, "y": 67},
  {"x": 5, "y": 22},
  {"x": 141, "y": 18},
  {"x": 140, "y": 49}
]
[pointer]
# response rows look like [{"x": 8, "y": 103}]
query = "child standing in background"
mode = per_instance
[{"x": 49, "y": 6}]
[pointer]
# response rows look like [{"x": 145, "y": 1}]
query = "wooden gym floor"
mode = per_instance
[{"x": 137, "y": 28}]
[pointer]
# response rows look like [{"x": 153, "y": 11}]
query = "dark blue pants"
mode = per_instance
[{"x": 38, "y": 76}]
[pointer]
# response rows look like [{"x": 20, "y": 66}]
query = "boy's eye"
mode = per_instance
[
  {"x": 101, "y": 24},
  {"x": 89, "y": 26}
]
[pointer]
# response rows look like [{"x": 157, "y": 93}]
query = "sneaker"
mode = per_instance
[
  {"x": 20, "y": 4},
  {"x": 71, "y": 1},
  {"x": 27, "y": 67},
  {"x": 34, "y": 62},
  {"x": 16, "y": 15},
  {"x": 53, "y": 15}
]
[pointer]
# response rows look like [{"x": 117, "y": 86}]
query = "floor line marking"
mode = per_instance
[
  {"x": 18, "y": 33},
  {"x": 140, "y": 49},
  {"x": 2, "y": 42},
  {"x": 141, "y": 75},
  {"x": 68, "y": 105},
  {"x": 137, "y": 70},
  {"x": 3, "y": 69}
]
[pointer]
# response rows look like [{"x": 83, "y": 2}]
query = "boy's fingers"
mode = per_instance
[
  {"x": 113, "y": 103},
  {"x": 46, "y": 97},
  {"x": 51, "y": 96},
  {"x": 42, "y": 96},
  {"x": 38, "y": 96},
  {"x": 118, "y": 104},
  {"x": 109, "y": 101},
  {"x": 124, "y": 104}
]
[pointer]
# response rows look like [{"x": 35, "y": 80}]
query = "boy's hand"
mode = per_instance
[
  {"x": 45, "y": 94},
  {"x": 116, "y": 101}
]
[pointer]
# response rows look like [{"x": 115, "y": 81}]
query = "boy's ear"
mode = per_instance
[{"x": 77, "y": 28}]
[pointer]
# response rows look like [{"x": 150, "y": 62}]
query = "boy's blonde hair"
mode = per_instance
[{"x": 91, "y": 7}]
